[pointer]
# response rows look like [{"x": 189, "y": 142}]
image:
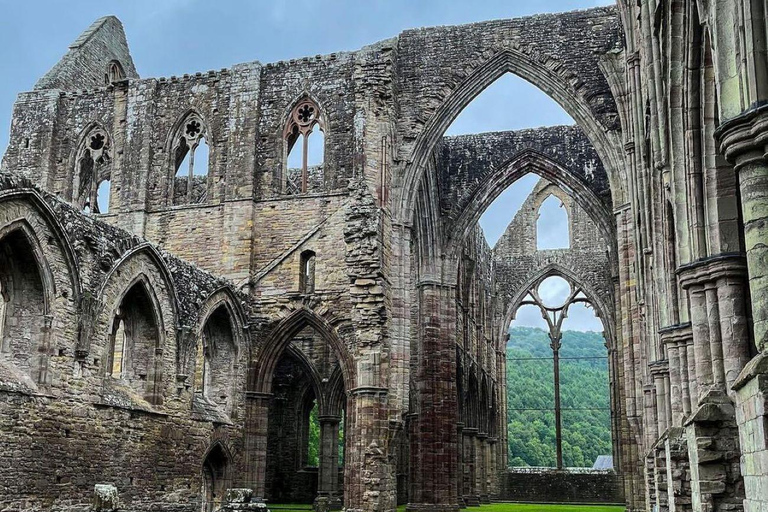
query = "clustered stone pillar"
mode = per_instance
[
  {"x": 434, "y": 458},
  {"x": 716, "y": 291},
  {"x": 328, "y": 470},
  {"x": 716, "y": 288},
  {"x": 676, "y": 339},
  {"x": 482, "y": 467},
  {"x": 743, "y": 141},
  {"x": 368, "y": 482}
]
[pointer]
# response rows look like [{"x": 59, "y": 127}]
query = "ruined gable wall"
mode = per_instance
[{"x": 518, "y": 261}]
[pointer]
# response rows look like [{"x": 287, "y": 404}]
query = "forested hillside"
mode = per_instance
[{"x": 584, "y": 392}]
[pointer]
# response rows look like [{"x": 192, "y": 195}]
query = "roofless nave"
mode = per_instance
[{"x": 185, "y": 281}]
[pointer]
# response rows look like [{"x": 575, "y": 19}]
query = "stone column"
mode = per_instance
[
  {"x": 254, "y": 471},
  {"x": 328, "y": 470},
  {"x": 461, "y": 464},
  {"x": 471, "y": 493},
  {"x": 715, "y": 338},
  {"x": 693, "y": 383},
  {"x": 482, "y": 467},
  {"x": 368, "y": 481},
  {"x": 743, "y": 141},
  {"x": 674, "y": 339},
  {"x": 660, "y": 372},
  {"x": 434, "y": 468},
  {"x": 701, "y": 345},
  {"x": 676, "y": 382},
  {"x": 734, "y": 326},
  {"x": 494, "y": 468}
]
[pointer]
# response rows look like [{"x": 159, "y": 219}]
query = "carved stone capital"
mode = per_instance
[
  {"x": 709, "y": 270},
  {"x": 675, "y": 335},
  {"x": 659, "y": 369},
  {"x": 744, "y": 139}
]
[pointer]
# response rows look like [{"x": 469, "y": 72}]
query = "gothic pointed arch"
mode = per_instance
[
  {"x": 114, "y": 73},
  {"x": 158, "y": 263},
  {"x": 225, "y": 298},
  {"x": 280, "y": 338},
  {"x": 218, "y": 344},
  {"x": 518, "y": 62},
  {"x": 602, "y": 309},
  {"x": 217, "y": 467},
  {"x": 303, "y": 164},
  {"x": 40, "y": 213},
  {"x": 28, "y": 292}
]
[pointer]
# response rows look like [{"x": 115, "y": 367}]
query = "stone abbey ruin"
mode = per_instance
[{"x": 165, "y": 348}]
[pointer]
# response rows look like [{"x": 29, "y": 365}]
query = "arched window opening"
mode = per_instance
[
  {"x": 307, "y": 272},
  {"x": 530, "y": 391},
  {"x": 216, "y": 479},
  {"x": 552, "y": 225},
  {"x": 93, "y": 172},
  {"x": 22, "y": 304},
  {"x": 305, "y": 149},
  {"x": 115, "y": 73},
  {"x": 134, "y": 339},
  {"x": 571, "y": 425},
  {"x": 215, "y": 370},
  {"x": 191, "y": 162},
  {"x": 585, "y": 390}
]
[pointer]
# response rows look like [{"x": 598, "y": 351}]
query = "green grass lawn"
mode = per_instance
[{"x": 497, "y": 507}]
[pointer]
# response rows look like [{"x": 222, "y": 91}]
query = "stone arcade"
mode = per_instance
[{"x": 163, "y": 349}]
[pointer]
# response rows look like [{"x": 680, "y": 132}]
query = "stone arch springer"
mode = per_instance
[{"x": 543, "y": 71}]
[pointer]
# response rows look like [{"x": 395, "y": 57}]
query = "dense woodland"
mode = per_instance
[{"x": 584, "y": 392}]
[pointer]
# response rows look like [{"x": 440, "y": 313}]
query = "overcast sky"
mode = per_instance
[{"x": 173, "y": 37}]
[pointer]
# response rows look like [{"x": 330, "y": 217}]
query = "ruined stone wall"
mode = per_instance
[
  {"x": 89, "y": 426},
  {"x": 668, "y": 166}
]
